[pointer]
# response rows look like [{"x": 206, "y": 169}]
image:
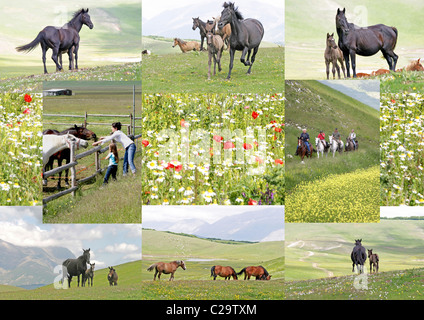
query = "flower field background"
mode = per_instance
[
  {"x": 402, "y": 149},
  {"x": 192, "y": 174},
  {"x": 21, "y": 149}
]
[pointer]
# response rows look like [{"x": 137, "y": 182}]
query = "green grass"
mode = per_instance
[{"x": 188, "y": 73}]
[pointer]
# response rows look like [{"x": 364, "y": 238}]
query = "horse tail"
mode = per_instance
[
  {"x": 152, "y": 267},
  {"x": 243, "y": 270},
  {"x": 395, "y": 42},
  {"x": 212, "y": 271},
  {"x": 30, "y": 46}
]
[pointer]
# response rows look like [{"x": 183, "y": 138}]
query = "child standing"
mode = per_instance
[{"x": 113, "y": 163}]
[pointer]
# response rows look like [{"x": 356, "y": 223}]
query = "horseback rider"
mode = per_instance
[
  {"x": 352, "y": 137},
  {"x": 304, "y": 136},
  {"x": 321, "y": 136},
  {"x": 337, "y": 137}
]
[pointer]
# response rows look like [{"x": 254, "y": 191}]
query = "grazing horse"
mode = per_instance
[
  {"x": 350, "y": 146},
  {"x": 88, "y": 275},
  {"x": 358, "y": 256},
  {"x": 166, "y": 268},
  {"x": 366, "y": 41},
  {"x": 335, "y": 145},
  {"x": 64, "y": 39},
  {"x": 197, "y": 23},
  {"x": 246, "y": 35},
  {"x": 112, "y": 277},
  {"x": 321, "y": 148},
  {"x": 186, "y": 46},
  {"x": 374, "y": 261},
  {"x": 65, "y": 154},
  {"x": 302, "y": 150},
  {"x": 215, "y": 48},
  {"x": 259, "y": 272},
  {"x": 333, "y": 54},
  {"x": 55, "y": 143},
  {"x": 75, "y": 267},
  {"x": 225, "y": 272}
]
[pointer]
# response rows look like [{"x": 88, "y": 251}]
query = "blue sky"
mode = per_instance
[{"x": 110, "y": 244}]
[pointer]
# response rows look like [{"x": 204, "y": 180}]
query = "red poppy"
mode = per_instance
[
  {"x": 145, "y": 143},
  {"x": 183, "y": 123},
  {"x": 178, "y": 168},
  {"x": 252, "y": 202},
  {"x": 218, "y": 138},
  {"x": 255, "y": 114},
  {"x": 247, "y": 146},
  {"x": 27, "y": 111},
  {"x": 229, "y": 145},
  {"x": 279, "y": 161},
  {"x": 278, "y": 129},
  {"x": 27, "y": 98},
  {"x": 392, "y": 101},
  {"x": 259, "y": 160},
  {"x": 256, "y": 143}
]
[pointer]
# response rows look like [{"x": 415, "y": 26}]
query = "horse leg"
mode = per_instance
[
  {"x": 214, "y": 64},
  {"x": 55, "y": 56},
  {"x": 337, "y": 68},
  {"x": 232, "y": 52},
  {"x": 60, "y": 61},
  {"x": 342, "y": 66},
  {"x": 327, "y": 68},
  {"x": 44, "y": 49},
  {"x": 76, "y": 56},
  {"x": 219, "y": 55},
  {"x": 70, "y": 53},
  {"x": 209, "y": 64},
  {"x": 243, "y": 55},
  {"x": 353, "y": 61},
  {"x": 255, "y": 51},
  {"x": 346, "y": 59},
  {"x": 171, "y": 277}
]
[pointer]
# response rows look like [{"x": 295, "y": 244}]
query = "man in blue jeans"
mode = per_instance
[{"x": 305, "y": 138}]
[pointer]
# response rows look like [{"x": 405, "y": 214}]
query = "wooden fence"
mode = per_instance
[{"x": 74, "y": 157}]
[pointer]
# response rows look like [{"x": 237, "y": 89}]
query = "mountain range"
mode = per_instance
[{"x": 29, "y": 266}]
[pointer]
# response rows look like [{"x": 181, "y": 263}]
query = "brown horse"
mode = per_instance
[
  {"x": 333, "y": 54},
  {"x": 166, "y": 268},
  {"x": 225, "y": 32},
  {"x": 302, "y": 151},
  {"x": 259, "y": 272},
  {"x": 88, "y": 275},
  {"x": 225, "y": 272},
  {"x": 186, "y": 46},
  {"x": 374, "y": 260},
  {"x": 349, "y": 144},
  {"x": 414, "y": 65},
  {"x": 215, "y": 48},
  {"x": 112, "y": 277}
]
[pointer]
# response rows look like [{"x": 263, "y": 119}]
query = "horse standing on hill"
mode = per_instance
[
  {"x": 186, "y": 46},
  {"x": 225, "y": 272},
  {"x": 75, "y": 267},
  {"x": 215, "y": 48},
  {"x": 333, "y": 54},
  {"x": 374, "y": 261},
  {"x": 246, "y": 35},
  {"x": 197, "y": 23},
  {"x": 112, "y": 277},
  {"x": 88, "y": 275},
  {"x": 358, "y": 256},
  {"x": 366, "y": 41},
  {"x": 166, "y": 268},
  {"x": 259, "y": 272},
  {"x": 64, "y": 39}
]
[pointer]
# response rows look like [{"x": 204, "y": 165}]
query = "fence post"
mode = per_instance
[
  {"x": 97, "y": 160},
  {"x": 73, "y": 170},
  {"x": 85, "y": 120}
]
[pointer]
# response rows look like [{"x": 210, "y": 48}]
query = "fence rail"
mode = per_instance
[{"x": 74, "y": 157}]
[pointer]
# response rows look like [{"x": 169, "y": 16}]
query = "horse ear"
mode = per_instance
[
  {"x": 344, "y": 10},
  {"x": 332, "y": 34}
]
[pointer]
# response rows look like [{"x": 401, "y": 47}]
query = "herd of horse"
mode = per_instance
[
  {"x": 259, "y": 272},
  {"x": 230, "y": 28},
  {"x": 363, "y": 41}
]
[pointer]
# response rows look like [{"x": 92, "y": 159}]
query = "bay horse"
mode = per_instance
[
  {"x": 112, "y": 277},
  {"x": 225, "y": 272},
  {"x": 246, "y": 35},
  {"x": 350, "y": 146},
  {"x": 88, "y": 275},
  {"x": 197, "y": 23},
  {"x": 215, "y": 48},
  {"x": 366, "y": 41},
  {"x": 358, "y": 256},
  {"x": 259, "y": 272},
  {"x": 75, "y": 267},
  {"x": 186, "y": 46},
  {"x": 333, "y": 54},
  {"x": 65, "y": 154},
  {"x": 166, "y": 268},
  {"x": 302, "y": 150},
  {"x": 374, "y": 261},
  {"x": 64, "y": 39}
]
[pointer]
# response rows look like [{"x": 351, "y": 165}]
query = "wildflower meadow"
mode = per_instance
[
  {"x": 21, "y": 145},
  {"x": 402, "y": 149},
  {"x": 213, "y": 149}
]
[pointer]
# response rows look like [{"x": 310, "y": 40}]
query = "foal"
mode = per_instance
[
  {"x": 332, "y": 54},
  {"x": 215, "y": 48},
  {"x": 374, "y": 260}
]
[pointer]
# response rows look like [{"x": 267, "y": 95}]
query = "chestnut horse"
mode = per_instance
[
  {"x": 166, "y": 268},
  {"x": 186, "y": 46},
  {"x": 303, "y": 150},
  {"x": 259, "y": 272},
  {"x": 225, "y": 272}
]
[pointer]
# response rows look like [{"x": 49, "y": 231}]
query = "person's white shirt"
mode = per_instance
[{"x": 120, "y": 137}]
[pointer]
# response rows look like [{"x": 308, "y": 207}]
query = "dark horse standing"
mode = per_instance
[
  {"x": 358, "y": 256},
  {"x": 64, "y": 39},
  {"x": 365, "y": 41},
  {"x": 246, "y": 35},
  {"x": 197, "y": 23},
  {"x": 76, "y": 267}
]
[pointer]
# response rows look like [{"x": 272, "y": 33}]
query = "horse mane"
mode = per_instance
[
  {"x": 265, "y": 271},
  {"x": 75, "y": 15},
  {"x": 231, "y": 5},
  {"x": 181, "y": 41}
]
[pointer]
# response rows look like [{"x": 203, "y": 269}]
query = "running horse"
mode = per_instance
[
  {"x": 64, "y": 39},
  {"x": 246, "y": 35},
  {"x": 225, "y": 272},
  {"x": 358, "y": 256},
  {"x": 374, "y": 261},
  {"x": 366, "y": 41},
  {"x": 166, "y": 268},
  {"x": 259, "y": 272},
  {"x": 302, "y": 150}
]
